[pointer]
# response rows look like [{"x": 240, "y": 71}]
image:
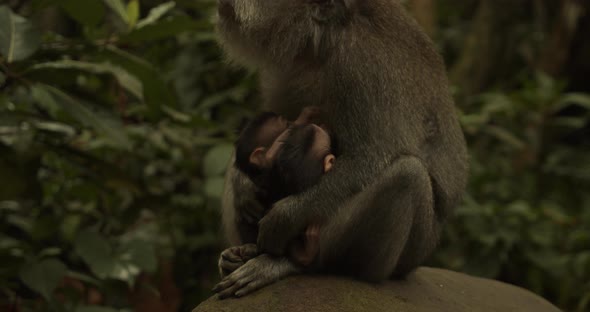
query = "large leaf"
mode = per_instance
[
  {"x": 578, "y": 99},
  {"x": 157, "y": 93},
  {"x": 44, "y": 276},
  {"x": 217, "y": 160},
  {"x": 111, "y": 129},
  {"x": 132, "y": 13},
  {"x": 18, "y": 38},
  {"x": 162, "y": 29},
  {"x": 125, "y": 79},
  {"x": 95, "y": 250},
  {"x": 87, "y": 12},
  {"x": 214, "y": 187},
  {"x": 119, "y": 8},
  {"x": 141, "y": 254},
  {"x": 156, "y": 13}
]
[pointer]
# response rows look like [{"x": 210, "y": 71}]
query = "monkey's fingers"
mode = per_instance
[
  {"x": 248, "y": 251},
  {"x": 231, "y": 254},
  {"x": 251, "y": 287},
  {"x": 254, "y": 274},
  {"x": 233, "y": 283},
  {"x": 227, "y": 267}
]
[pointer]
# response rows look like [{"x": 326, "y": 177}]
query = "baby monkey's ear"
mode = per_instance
[
  {"x": 325, "y": 11},
  {"x": 329, "y": 162},
  {"x": 258, "y": 158}
]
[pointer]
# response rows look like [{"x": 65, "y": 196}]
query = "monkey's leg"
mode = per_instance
[
  {"x": 234, "y": 257},
  {"x": 390, "y": 227},
  {"x": 255, "y": 274}
]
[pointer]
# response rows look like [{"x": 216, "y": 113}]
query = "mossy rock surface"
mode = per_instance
[{"x": 425, "y": 290}]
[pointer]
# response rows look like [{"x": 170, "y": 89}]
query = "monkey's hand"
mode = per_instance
[
  {"x": 255, "y": 274},
  {"x": 234, "y": 257},
  {"x": 279, "y": 227}
]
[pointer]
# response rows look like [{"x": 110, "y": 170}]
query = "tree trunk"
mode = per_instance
[
  {"x": 557, "y": 51},
  {"x": 489, "y": 48}
]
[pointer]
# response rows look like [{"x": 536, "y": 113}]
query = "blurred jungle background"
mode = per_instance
[{"x": 117, "y": 119}]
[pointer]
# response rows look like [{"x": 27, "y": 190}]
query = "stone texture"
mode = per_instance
[{"x": 425, "y": 290}]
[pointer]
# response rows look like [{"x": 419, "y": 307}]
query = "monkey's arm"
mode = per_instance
[
  {"x": 241, "y": 209},
  {"x": 291, "y": 215}
]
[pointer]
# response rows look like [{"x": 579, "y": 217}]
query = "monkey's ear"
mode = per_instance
[
  {"x": 329, "y": 162},
  {"x": 258, "y": 157}
]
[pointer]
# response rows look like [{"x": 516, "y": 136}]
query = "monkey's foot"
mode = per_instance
[
  {"x": 255, "y": 274},
  {"x": 234, "y": 257}
]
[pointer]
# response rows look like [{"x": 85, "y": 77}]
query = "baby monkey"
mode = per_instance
[{"x": 284, "y": 158}]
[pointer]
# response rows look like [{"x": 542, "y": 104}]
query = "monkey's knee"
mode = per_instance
[{"x": 402, "y": 222}]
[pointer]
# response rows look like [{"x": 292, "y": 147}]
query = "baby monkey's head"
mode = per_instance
[
  {"x": 263, "y": 33},
  {"x": 281, "y": 157}
]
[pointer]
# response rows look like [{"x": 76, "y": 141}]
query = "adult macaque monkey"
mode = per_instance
[{"x": 403, "y": 163}]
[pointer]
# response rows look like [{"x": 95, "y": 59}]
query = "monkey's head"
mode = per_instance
[{"x": 263, "y": 33}]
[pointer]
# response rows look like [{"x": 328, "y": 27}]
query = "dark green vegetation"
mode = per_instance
[{"x": 116, "y": 122}]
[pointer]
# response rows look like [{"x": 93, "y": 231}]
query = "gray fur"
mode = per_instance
[{"x": 403, "y": 163}]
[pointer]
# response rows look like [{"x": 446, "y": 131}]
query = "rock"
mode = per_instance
[{"x": 427, "y": 289}]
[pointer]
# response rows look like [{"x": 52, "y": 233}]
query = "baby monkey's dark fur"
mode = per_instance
[{"x": 403, "y": 163}]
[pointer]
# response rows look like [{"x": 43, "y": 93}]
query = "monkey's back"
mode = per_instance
[{"x": 386, "y": 92}]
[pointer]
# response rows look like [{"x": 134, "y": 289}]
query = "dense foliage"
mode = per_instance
[{"x": 116, "y": 123}]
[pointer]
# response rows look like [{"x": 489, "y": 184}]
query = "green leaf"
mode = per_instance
[
  {"x": 84, "y": 278},
  {"x": 44, "y": 276},
  {"x": 111, "y": 129},
  {"x": 177, "y": 115},
  {"x": 18, "y": 38},
  {"x": 132, "y": 13},
  {"x": 87, "y": 12},
  {"x": 217, "y": 160},
  {"x": 156, "y": 13},
  {"x": 578, "y": 99},
  {"x": 161, "y": 30},
  {"x": 56, "y": 127},
  {"x": 506, "y": 137},
  {"x": 157, "y": 92},
  {"x": 140, "y": 253},
  {"x": 214, "y": 187},
  {"x": 126, "y": 80},
  {"x": 2, "y": 78},
  {"x": 570, "y": 122},
  {"x": 119, "y": 8},
  {"x": 95, "y": 250}
]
